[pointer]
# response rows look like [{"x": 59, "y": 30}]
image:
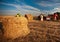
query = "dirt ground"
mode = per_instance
[{"x": 41, "y": 31}]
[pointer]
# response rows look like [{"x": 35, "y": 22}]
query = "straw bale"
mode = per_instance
[
  {"x": 15, "y": 27},
  {"x": 29, "y": 17}
]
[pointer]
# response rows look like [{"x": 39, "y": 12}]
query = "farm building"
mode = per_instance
[
  {"x": 42, "y": 17},
  {"x": 57, "y": 14},
  {"x": 50, "y": 16}
]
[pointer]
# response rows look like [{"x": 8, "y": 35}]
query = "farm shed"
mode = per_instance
[{"x": 42, "y": 16}]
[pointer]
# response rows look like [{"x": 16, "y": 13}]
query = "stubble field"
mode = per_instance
[{"x": 40, "y": 31}]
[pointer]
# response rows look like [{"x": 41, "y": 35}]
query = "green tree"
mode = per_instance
[{"x": 18, "y": 14}]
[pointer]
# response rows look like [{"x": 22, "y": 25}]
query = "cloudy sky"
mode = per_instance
[{"x": 35, "y": 7}]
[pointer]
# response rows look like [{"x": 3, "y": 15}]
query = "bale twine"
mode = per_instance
[
  {"x": 15, "y": 27},
  {"x": 29, "y": 17}
]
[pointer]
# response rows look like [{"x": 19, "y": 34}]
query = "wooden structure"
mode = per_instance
[
  {"x": 55, "y": 15},
  {"x": 42, "y": 17}
]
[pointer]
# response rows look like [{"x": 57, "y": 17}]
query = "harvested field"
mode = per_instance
[{"x": 46, "y": 31}]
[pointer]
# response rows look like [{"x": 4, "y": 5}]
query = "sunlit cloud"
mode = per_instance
[
  {"x": 23, "y": 9},
  {"x": 46, "y": 4}
]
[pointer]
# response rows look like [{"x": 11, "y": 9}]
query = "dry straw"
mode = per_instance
[
  {"x": 15, "y": 27},
  {"x": 29, "y": 17}
]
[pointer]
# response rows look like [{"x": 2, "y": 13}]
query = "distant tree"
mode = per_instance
[
  {"x": 58, "y": 12},
  {"x": 18, "y": 15}
]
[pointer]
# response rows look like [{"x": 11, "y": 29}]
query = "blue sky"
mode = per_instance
[{"x": 35, "y": 7}]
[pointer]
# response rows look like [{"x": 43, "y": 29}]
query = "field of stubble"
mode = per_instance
[{"x": 46, "y": 31}]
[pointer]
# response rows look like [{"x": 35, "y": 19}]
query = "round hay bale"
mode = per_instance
[
  {"x": 29, "y": 17},
  {"x": 15, "y": 27}
]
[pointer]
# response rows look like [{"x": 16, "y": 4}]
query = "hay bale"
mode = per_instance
[
  {"x": 29, "y": 17},
  {"x": 15, "y": 27}
]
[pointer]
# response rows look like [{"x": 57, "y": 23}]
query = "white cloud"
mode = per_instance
[
  {"x": 47, "y": 3},
  {"x": 55, "y": 10},
  {"x": 23, "y": 9}
]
